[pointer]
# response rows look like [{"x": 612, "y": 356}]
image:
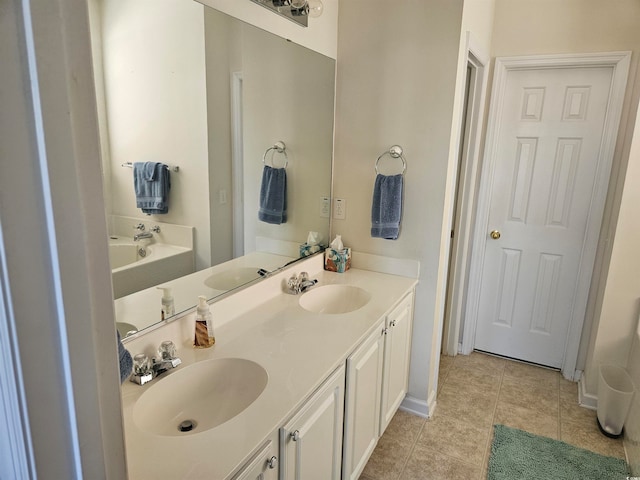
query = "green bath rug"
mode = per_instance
[{"x": 516, "y": 454}]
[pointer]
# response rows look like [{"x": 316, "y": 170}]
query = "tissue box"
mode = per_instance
[
  {"x": 306, "y": 249},
  {"x": 337, "y": 260}
]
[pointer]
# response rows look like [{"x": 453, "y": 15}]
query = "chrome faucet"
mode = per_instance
[
  {"x": 141, "y": 235},
  {"x": 300, "y": 283},
  {"x": 144, "y": 370}
]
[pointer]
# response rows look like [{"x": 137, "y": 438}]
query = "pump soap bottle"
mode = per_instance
[
  {"x": 168, "y": 308},
  {"x": 204, "y": 337}
]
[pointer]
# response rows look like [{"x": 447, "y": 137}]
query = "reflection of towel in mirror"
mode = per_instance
[
  {"x": 125, "y": 360},
  {"x": 151, "y": 181},
  {"x": 273, "y": 196},
  {"x": 386, "y": 210}
]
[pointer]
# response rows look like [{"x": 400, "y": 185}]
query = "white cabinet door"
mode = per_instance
[
  {"x": 397, "y": 349},
  {"x": 362, "y": 417},
  {"x": 264, "y": 465},
  {"x": 311, "y": 443}
]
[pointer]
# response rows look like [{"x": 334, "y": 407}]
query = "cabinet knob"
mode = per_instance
[
  {"x": 393, "y": 323},
  {"x": 295, "y": 436},
  {"x": 385, "y": 331},
  {"x": 272, "y": 462}
]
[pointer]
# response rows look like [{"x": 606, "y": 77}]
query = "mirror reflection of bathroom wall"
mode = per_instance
[{"x": 205, "y": 94}]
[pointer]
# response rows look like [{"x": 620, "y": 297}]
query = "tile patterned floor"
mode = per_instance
[{"x": 475, "y": 392}]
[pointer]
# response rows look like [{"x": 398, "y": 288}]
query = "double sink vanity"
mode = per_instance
[{"x": 296, "y": 386}]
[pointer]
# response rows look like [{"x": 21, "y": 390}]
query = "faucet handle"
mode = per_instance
[
  {"x": 140, "y": 227},
  {"x": 142, "y": 371},
  {"x": 167, "y": 350}
]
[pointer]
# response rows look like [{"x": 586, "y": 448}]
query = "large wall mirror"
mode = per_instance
[{"x": 188, "y": 86}]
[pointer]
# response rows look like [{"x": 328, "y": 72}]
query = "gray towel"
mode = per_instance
[
  {"x": 386, "y": 210},
  {"x": 273, "y": 196},
  {"x": 125, "y": 360},
  {"x": 152, "y": 182}
]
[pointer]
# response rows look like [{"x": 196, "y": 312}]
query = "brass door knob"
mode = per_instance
[{"x": 495, "y": 234}]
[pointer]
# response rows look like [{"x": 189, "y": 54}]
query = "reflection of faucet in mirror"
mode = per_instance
[{"x": 228, "y": 115}]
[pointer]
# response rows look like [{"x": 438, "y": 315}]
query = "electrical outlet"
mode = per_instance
[
  {"x": 325, "y": 207},
  {"x": 340, "y": 209}
]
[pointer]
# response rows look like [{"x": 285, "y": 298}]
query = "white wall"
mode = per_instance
[
  {"x": 622, "y": 296},
  {"x": 155, "y": 90},
  {"x": 524, "y": 27},
  {"x": 397, "y": 70}
]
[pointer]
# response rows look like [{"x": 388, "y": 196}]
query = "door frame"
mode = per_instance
[
  {"x": 468, "y": 163},
  {"x": 619, "y": 63}
]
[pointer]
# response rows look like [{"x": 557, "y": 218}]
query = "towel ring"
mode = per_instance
[
  {"x": 279, "y": 147},
  {"x": 394, "y": 152}
]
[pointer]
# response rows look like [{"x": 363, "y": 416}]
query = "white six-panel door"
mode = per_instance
[{"x": 546, "y": 159}]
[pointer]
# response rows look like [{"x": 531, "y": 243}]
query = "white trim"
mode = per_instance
[
  {"x": 587, "y": 400},
  {"x": 462, "y": 245},
  {"x": 619, "y": 62},
  {"x": 237, "y": 167},
  {"x": 16, "y": 458},
  {"x": 418, "y": 407},
  {"x": 57, "y": 279}
]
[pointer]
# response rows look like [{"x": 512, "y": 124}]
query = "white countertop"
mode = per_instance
[{"x": 297, "y": 348}]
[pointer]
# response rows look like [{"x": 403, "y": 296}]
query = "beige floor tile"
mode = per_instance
[
  {"x": 568, "y": 387},
  {"x": 527, "y": 419},
  {"x": 487, "y": 363},
  {"x": 587, "y": 435},
  {"x": 446, "y": 361},
  {"x": 572, "y": 412},
  {"x": 394, "y": 447},
  {"x": 388, "y": 459},
  {"x": 427, "y": 464},
  {"x": 543, "y": 398},
  {"x": 404, "y": 426},
  {"x": 532, "y": 374},
  {"x": 467, "y": 405},
  {"x": 470, "y": 377},
  {"x": 455, "y": 438}
]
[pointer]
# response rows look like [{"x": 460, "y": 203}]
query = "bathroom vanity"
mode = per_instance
[{"x": 287, "y": 391}]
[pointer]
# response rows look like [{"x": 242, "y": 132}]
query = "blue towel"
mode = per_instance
[
  {"x": 386, "y": 210},
  {"x": 273, "y": 196},
  {"x": 152, "y": 182},
  {"x": 125, "y": 361}
]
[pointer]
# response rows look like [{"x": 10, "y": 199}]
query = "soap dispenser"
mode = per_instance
[
  {"x": 168, "y": 309},
  {"x": 204, "y": 337}
]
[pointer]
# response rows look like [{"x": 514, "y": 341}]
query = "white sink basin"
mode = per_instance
[
  {"x": 201, "y": 396},
  {"x": 232, "y": 278},
  {"x": 334, "y": 299}
]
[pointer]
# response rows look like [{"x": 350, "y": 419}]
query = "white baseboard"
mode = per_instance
[
  {"x": 588, "y": 400},
  {"x": 419, "y": 407}
]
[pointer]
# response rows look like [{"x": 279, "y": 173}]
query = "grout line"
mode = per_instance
[{"x": 413, "y": 446}]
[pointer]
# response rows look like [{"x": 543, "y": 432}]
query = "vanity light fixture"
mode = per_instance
[{"x": 295, "y": 10}]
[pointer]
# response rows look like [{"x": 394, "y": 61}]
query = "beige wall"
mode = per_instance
[
  {"x": 396, "y": 75},
  {"x": 524, "y": 27}
]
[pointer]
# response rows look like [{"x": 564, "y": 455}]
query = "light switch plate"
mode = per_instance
[
  {"x": 325, "y": 207},
  {"x": 340, "y": 209}
]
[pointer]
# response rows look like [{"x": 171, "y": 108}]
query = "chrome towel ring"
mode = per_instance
[
  {"x": 279, "y": 147},
  {"x": 394, "y": 152}
]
